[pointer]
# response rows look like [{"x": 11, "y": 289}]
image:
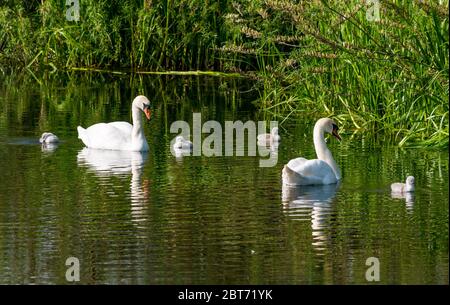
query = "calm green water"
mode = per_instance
[{"x": 152, "y": 218}]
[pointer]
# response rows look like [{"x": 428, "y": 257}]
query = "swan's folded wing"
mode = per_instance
[
  {"x": 398, "y": 187},
  {"x": 297, "y": 164},
  {"x": 301, "y": 171},
  {"x": 291, "y": 177},
  {"x": 83, "y": 136},
  {"x": 109, "y": 135},
  {"x": 314, "y": 167},
  {"x": 125, "y": 127}
]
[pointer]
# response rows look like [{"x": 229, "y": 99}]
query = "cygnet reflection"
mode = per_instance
[
  {"x": 270, "y": 150},
  {"x": 179, "y": 153},
  {"x": 407, "y": 196},
  {"x": 49, "y": 147}
]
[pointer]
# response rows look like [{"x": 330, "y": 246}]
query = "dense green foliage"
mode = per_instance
[
  {"x": 327, "y": 57},
  {"x": 315, "y": 58},
  {"x": 151, "y": 34}
]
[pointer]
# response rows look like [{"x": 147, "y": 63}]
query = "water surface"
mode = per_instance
[{"x": 152, "y": 218}]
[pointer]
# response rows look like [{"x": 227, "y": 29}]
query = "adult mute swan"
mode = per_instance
[
  {"x": 403, "y": 187},
  {"x": 322, "y": 170},
  {"x": 48, "y": 137},
  {"x": 119, "y": 135},
  {"x": 269, "y": 138}
]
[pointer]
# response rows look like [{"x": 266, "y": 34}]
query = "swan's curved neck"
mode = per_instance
[
  {"x": 137, "y": 121},
  {"x": 409, "y": 187},
  {"x": 322, "y": 151}
]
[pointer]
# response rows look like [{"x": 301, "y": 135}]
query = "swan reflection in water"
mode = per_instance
[
  {"x": 49, "y": 147},
  {"x": 268, "y": 147},
  {"x": 408, "y": 197},
  {"x": 179, "y": 153},
  {"x": 311, "y": 202},
  {"x": 106, "y": 163}
]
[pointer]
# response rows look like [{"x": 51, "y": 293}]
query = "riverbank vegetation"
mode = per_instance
[{"x": 386, "y": 75}]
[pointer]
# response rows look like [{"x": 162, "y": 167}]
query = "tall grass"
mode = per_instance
[
  {"x": 311, "y": 58},
  {"x": 326, "y": 58},
  {"x": 134, "y": 34}
]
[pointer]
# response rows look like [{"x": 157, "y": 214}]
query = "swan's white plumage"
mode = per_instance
[
  {"x": 106, "y": 136},
  {"x": 269, "y": 138},
  {"x": 403, "y": 187},
  {"x": 118, "y": 135},
  {"x": 182, "y": 143},
  {"x": 324, "y": 170},
  {"x": 48, "y": 137},
  {"x": 308, "y": 172},
  {"x": 124, "y": 127}
]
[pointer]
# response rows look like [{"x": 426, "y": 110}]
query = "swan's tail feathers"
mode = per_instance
[
  {"x": 83, "y": 135},
  {"x": 290, "y": 177}
]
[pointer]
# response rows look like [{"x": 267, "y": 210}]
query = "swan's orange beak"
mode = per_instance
[{"x": 148, "y": 113}]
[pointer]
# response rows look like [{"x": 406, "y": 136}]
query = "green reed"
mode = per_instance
[
  {"x": 308, "y": 58},
  {"x": 320, "y": 58},
  {"x": 155, "y": 35}
]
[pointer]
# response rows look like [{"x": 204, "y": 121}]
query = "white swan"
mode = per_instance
[
  {"x": 269, "y": 138},
  {"x": 48, "y": 137},
  {"x": 403, "y": 187},
  {"x": 182, "y": 143},
  {"x": 119, "y": 135},
  {"x": 322, "y": 170}
]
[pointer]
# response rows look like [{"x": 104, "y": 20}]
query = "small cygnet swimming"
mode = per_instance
[
  {"x": 181, "y": 143},
  {"x": 269, "y": 138},
  {"x": 403, "y": 187},
  {"x": 48, "y": 137}
]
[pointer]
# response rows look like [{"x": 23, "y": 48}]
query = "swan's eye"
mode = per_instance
[
  {"x": 146, "y": 106},
  {"x": 335, "y": 127}
]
